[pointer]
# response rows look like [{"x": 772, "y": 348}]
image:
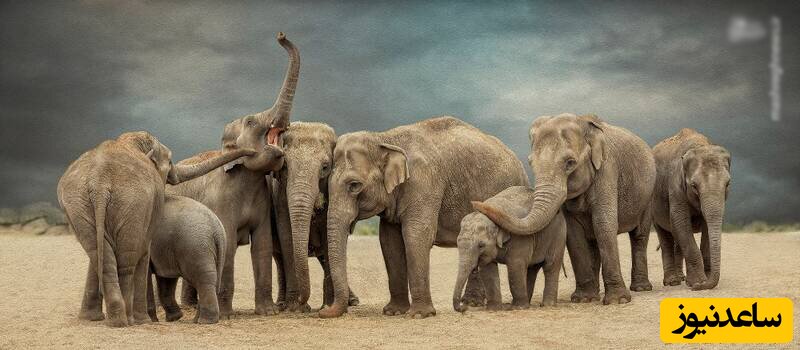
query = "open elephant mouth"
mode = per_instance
[{"x": 273, "y": 135}]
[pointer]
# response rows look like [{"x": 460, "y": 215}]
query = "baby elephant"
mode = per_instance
[
  {"x": 482, "y": 243},
  {"x": 189, "y": 242}
]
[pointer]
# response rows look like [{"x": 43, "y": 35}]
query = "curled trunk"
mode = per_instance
[
  {"x": 185, "y": 172},
  {"x": 301, "y": 194},
  {"x": 549, "y": 195},
  {"x": 712, "y": 205},
  {"x": 467, "y": 261},
  {"x": 279, "y": 112}
]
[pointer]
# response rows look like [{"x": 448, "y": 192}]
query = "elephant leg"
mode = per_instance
[
  {"x": 225, "y": 293},
  {"x": 188, "y": 294},
  {"x": 207, "y": 305},
  {"x": 605, "y": 230},
  {"x": 261, "y": 255},
  {"x": 533, "y": 271},
  {"x": 394, "y": 256},
  {"x": 705, "y": 250},
  {"x": 640, "y": 281},
  {"x": 551, "y": 271},
  {"x": 667, "y": 243},
  {"x": 418, "y": 236},
  {"x": 140, "y": 274},
  {"x": 517, "y": 280},
  {"x": 475, "y": 294},
  {"x": 151, "y": 300},
  {"x": 491, "y": 282},
  {"x": 116, "y": 309},
  {"x": 92, "y": 303},
  {"x": 682, "y": 231},
  {"x": 678, "y": 261},
  {"x": 581, "y": 254},
  {"x": 281, "y": 272},
  {"x": 353, "y": 299},
  {"x": 166, "y": 296},
  {"x": 327, "y": 282},
  {"x": 126, "y": 285}
]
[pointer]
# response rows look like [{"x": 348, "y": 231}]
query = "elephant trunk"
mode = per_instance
[
  {"x": 185, "y": 172},
  {"x": 283, "y": 104},
  {"x": 339, "y": 224},
  {"x": 712, "y": 205},
  {"x": 549, "y": 194},
  {"x": 301, "y": 194},
  {"x": 467, "y": 261}
]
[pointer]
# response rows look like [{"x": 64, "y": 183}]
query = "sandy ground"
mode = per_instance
[{"x": 42, "y": 281}]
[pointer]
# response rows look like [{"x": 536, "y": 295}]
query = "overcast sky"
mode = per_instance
[{"x": 74, "y": 74}]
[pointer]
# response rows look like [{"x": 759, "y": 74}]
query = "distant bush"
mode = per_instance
[
  {"x": 760, "y": 226},
  {"x": 367, "y": 227}
]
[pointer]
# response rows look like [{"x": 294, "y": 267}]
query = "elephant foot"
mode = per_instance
[
  {"x": 674, "y": 280},
  {"x": 473, "y": 300},
  {"x": 296, "y": 307},
  {"x": 520, "y": 306},
  {"x": 497, "y": 307},
  {"x": 584, "y": 296},
  {"x": 141, "y": 318},
  {"x": 206, "y": 316},
  {"x": 641, "y": 285},
  {"x": 267, "y": 309},
  {"x": 617, "y": 295},
  {"x": 92, "y": 315},
  {"x": 548, "y": 303},
  {"x": 705, "y": 285},
  {"x": 173, "y": 315},
  {"x": 421, "y": 311},
  {"x": 332, "y": 311},
  {"x": 117, "y": 322},
  {"x": 394, "y": 308},
  {"x": 353, "y": 300}
]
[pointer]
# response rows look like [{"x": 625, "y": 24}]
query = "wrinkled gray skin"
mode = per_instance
[
  {"x": 602, "y": 177},
  {"x": 483, "y": 244},
  {"x": 420, "y": 179},
  {"x": 189, "y": 242},
  {"x": 690, "y": 193},
  {"x": 240, "y": 194},
  {"x": 113, "y": 195},
  {"x": 300, "y": 197}
]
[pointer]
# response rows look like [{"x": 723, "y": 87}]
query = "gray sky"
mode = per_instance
[{"x": 74, "y": 74}]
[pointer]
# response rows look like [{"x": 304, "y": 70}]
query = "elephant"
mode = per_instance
[
  {"x": 693, "y": 177},
  {"x": 113, "y": 195},
  {"x": 188, "y": 242},
  {"x": 482, "y": 243},
  {"x": 240, "y": 195},
  {"x": 419, "y": 179},
  {"x": 602, "y": 177},
  {"x": 300, "y": 200}
]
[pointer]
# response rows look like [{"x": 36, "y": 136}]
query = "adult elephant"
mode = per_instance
[
  {"x": 301, "y": 203},
  {"x": 690, "y": 193},
  {"x": 420, "y": 179},
  {"x": 240, "y": 195},
  {"x": 113, "y": 196},
  {"x": 603, "y": 176}
]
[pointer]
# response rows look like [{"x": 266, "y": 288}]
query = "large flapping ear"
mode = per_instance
[
  {"x": 596, "y": 138},
  {"x": 502, "y": 237},
  {"x": 395, "y": 167}
]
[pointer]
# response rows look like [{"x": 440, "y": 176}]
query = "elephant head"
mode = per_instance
[
  {"x": 566, "y": 152},
  {"x": 364, "y": 180},
  {"x": 161, "y": 156},
  {"x": 478, "y": 244},
  {"x": 269, "y": 158},
  {"x": 706, "y": 178},
  {"x": 264, "y": 128}
]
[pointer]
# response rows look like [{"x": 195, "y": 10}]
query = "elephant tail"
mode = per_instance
[
  {"x": 100, "y": 205},
  {"x": 220, "y": 244}
]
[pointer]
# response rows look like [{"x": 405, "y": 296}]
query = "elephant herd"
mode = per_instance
[{"x": 294, "y": 190}]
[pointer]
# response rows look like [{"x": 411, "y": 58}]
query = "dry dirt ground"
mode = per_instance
[{"x": 42, "y": 281}]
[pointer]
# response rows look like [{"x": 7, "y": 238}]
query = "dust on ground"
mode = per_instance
[{"x": 42, "y": 283}]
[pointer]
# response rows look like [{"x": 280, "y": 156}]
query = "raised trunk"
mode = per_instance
[
  {"x": 467, "y": 261},
  {"x": 186, "y": 172},
  {"x": 549, "y": 194},
  {"x": 301, "y": 194},
  {"x": 338, "y": 230},
  {"x": 712, "y": 205},
  {"x": 280, "y": 111}
]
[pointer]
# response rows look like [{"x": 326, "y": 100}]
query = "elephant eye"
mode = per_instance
[
  {"x": 251, "y": 123},
  {"x": 570, "y": 163},
  {"x": 481, "y": 245},
  {"x": 355, "y": 187}
]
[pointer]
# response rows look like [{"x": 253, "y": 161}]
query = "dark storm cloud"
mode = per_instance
[{"x": 74, "y": 74}]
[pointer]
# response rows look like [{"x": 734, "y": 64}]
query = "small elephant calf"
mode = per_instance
[
  {"x": 481, "y": 243},
  {"x": 189, "y": 242}
]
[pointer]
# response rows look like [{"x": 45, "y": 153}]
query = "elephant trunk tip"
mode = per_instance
[
  {"x": 281, "y": 36},
  {"x": 458, "y": 306}
]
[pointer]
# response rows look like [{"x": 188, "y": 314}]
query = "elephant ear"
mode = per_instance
[
  {"x": 502, "y": 237},
  {"x": 395, "y": 167},
  {"x": 596, "y": 139}
]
